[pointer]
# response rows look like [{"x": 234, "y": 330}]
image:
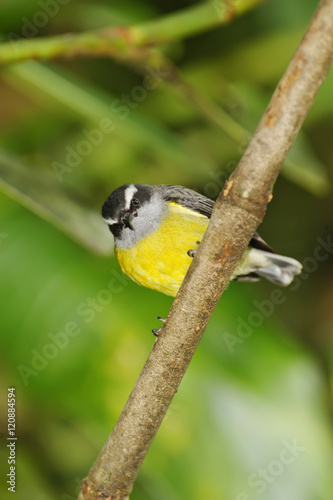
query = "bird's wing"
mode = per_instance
[
  {"x": 189, "y": 199},
  {"x": 203, "y": 205},
  {"x": 257, "y": 242}
]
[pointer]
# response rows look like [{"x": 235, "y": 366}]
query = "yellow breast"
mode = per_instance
[{"x": 160, "y": 261}]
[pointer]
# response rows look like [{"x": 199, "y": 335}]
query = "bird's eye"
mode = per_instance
[{"x": 135, "y": 203}]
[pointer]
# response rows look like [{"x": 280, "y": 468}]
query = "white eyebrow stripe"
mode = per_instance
[
  {"x": 129, "y": 195},
  {"x": 111, "y": 221}
]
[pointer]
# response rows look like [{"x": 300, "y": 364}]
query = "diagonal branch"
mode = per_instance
[
  {"x": 133, "y": 42},
  {"x": 237, "y": 213}
]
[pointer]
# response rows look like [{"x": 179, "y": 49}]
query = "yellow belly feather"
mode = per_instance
[{"x": 160, "y": 261}]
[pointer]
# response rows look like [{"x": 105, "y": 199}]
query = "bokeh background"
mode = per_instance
[{"x": 253, "y": 416}]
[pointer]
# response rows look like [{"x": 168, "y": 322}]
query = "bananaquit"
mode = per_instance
[{"x": 157, "y": 230}]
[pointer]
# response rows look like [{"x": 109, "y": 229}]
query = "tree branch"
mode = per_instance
[
  {"x": 237, "y": 213},
  {"x": 127, "y": 42}
]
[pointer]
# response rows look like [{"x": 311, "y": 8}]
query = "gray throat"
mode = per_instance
[{"x": 148, "y": 220}]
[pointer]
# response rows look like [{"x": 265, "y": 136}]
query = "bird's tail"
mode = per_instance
[{"x": 279, "y": 269}]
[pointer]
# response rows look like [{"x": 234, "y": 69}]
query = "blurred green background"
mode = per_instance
[{"x": 253, "y": 416}]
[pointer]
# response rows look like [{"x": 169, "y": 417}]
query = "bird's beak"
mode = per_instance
[{"x": 127, "y": 220}]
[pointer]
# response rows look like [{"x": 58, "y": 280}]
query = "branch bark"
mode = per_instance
[
  {"x": 238, "y": 211},
  {"x": 126, "y": 42}
]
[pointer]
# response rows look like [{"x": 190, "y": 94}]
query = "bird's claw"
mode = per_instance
[
  {"x": 156, "y": 331},
  {"x": 191, "y": 253}
]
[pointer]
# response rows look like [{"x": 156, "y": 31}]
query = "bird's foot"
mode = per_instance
[
  {"x": 156, "y": 331},
  {"x": 191, "y": 253}
]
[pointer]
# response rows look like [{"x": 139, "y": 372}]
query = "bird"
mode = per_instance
[{"x": 157, "y": 229}]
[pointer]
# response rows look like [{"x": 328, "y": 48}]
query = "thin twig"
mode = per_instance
[
  {"x": 126, "y": 42},
  {"x": 237, "y": 213}
]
